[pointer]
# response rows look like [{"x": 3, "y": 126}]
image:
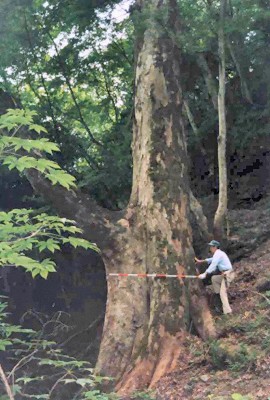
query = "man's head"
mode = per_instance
[{"x": 213, "y": 246}]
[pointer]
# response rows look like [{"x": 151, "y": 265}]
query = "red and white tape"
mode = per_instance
[{"x": 153, "y": 275}]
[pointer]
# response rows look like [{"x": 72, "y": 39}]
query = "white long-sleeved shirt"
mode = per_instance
[{"x": 219, "y": 261}]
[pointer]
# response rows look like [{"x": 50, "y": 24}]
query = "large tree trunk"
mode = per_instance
[
  {"x": 221, "y": 213},
  {"x": 147, "y": 319},
  {"x": 147, "y": 334}
]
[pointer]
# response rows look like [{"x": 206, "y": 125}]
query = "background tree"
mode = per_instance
[
  {"x": 221, "y": 212},
  {"x": 199, "y": 43}
]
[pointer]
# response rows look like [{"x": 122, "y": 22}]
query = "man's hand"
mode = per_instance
[
  {"x": 198, "y": 261},
  {"x": 202, "y": 276}
]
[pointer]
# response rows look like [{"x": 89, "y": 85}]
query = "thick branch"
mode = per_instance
[{"x": 96, "y": 222}]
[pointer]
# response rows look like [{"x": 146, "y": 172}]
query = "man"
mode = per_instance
[{"x": 223, "y": 274}]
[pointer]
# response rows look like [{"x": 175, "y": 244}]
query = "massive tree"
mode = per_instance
[{"x": 146, "y": 320}]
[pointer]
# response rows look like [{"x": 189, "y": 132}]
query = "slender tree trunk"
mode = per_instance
[
  {"x": 209, "y": 80},
  {"x": 221, "y": 213},
  {"x": 191, "y": 120},
  {"x": 195, "y": 129},
  {"x": 244, "y": 86}
]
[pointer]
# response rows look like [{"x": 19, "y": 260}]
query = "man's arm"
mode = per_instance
[
  {"x": 213, "y": 261},
  {"x": 198, "y": 261},
  {"x": 213, "y": 264}
]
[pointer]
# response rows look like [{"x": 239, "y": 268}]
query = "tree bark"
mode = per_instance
[
  {"x": 221, "y": 213},
  {"x": 201, "y": 220}
]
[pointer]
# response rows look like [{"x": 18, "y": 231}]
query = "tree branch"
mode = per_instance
[
  {"x": 108, "y": 90},
  {"x": 96, "y": 222},
  {"x": 6, "y": 384},
  {"x": 89, "y": 327},
  {"x": 57, "y": 383}
]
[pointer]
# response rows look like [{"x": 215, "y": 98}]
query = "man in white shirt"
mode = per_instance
[{"x": 222, "y": 270}]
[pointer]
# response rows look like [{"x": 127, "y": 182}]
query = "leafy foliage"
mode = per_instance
[
  {"x": 25, "y": 232},
  {"x": 79, "y": 80},
  {"x": 236, "y": 358},
  {"x": 11, "y": 147},
  {"x": 146, "y": 395},
  {"x": 22, "y": 231}
]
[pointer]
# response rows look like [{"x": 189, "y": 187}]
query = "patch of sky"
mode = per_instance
[{"x": 107, "y": 21}]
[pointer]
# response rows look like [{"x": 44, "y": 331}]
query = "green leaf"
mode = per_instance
[
  {"x": 84, "y": 381},
  {"x": 66, "y": 381},
  {"x": 44, "y": 274},
  {"x": 61, "y": 177},
  {"x": 237, "y": 396},
  {"x": 4, "y": 344},
  {"x": 37, "y": 128}
]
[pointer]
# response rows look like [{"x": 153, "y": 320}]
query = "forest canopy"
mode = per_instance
[{"x": 73, "y": 63}]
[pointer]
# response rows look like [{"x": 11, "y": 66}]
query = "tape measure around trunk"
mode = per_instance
[{"x": 121, "y": 275}]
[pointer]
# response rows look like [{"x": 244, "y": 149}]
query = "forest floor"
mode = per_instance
[{"x": 237, "y": 364}]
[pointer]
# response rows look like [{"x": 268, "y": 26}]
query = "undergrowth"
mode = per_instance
[{"x": 34, "y": 367}]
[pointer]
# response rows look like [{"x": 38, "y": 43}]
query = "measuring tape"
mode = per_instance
[{"x": 154, "y": 275}]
